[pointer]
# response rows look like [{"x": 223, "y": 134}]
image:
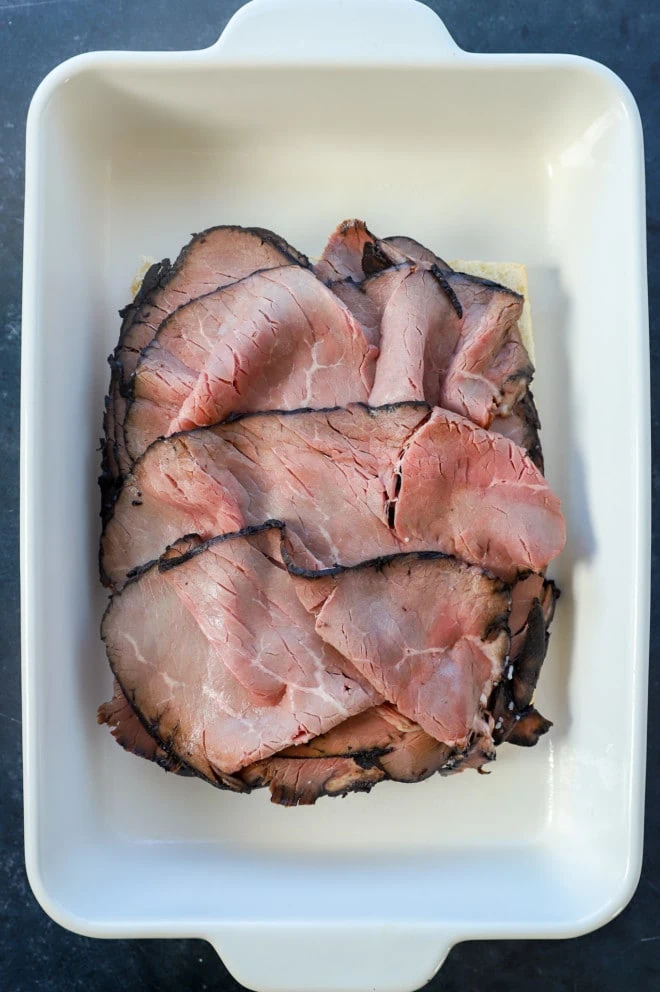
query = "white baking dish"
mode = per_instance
[{"x": 303, "y": 113}]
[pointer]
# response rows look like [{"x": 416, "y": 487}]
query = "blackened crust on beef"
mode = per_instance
[
  {"x": 129, "y": 731},
  {"x": 109, "y": 480},
  {"x": 526, "y": 731},
  {"x": 416, "y": 252},
  {"x": 156, "y": 277},
  {"x": 454, "y": 277},
  {"x": 172, "y": 558},
  {"x": 373, "y": 411},
  {"x": 488, "y": 283},
  {"x": 522, "y": 426},
  {"x": 190, "y": 546},
  {"x": 300, "y": 781},
  {"x": 141, "y": 737},
  {"x": 516, "y": 720},
  {"x": 549, "y": 597},
  {"x": 441, "y": 279},
  {"x": 380, "y": 563},
  {"x": 297, "y": 257},
  {"x": 526, "y": 410},
  {"x": 529, "y": 661},
  {"x": 374, "y": 259}
]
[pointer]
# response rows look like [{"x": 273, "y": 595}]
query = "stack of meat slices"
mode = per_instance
[{"x": 326, "y": 527}]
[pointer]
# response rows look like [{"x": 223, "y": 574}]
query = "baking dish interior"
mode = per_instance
[{"x": 511, "y": 161}]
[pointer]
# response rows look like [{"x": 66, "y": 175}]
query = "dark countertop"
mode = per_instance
[{"x": 36, "y": 955}]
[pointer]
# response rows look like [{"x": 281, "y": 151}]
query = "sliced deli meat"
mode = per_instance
[
  {"x": 225, "y": 624},
  {"x": 515, "y": 718},
  {"x": 214, "y": 258},
  {"x": 351, "y": 484},
  {"x": 430, "y": 635},
  {"x": 327, "y": 474},
  {"x": 382, "y": 744},
  {"x": 325, "y": 520},
  {"x": 278, "y": 339},
  {"x": 483, "y": 490},
  {"x": 227, "y": 687},
  {"x": 449, "y": 338},
  {"x": 374, "y": 746}
]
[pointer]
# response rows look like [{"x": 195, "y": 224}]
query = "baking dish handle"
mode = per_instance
[
  {"x": 330, "y": 958},
  {"x": 334, "y": 31}
]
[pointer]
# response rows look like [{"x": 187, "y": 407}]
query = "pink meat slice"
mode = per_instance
[
  {"x": 419, "y": 334},
  {"x": 429, "y": 634},
  {"x": 326, "y": 474},
  {"x": 446, "y": 337},
  {"x": 277, "y": 339},
  {"x": 213, "y": 258},
  {"x": 467, "y": 358},
  {"x": 476, "y": 495},
  {"x": 254, "y": 678},
  {"x": 351, "y": 485},
  {"x": 363, "y": 308}
]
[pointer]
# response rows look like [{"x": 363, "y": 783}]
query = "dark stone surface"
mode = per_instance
[{"x": 36, "y": 955}]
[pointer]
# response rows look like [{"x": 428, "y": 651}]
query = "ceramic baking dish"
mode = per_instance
[{"x": 303, "y": 113}]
